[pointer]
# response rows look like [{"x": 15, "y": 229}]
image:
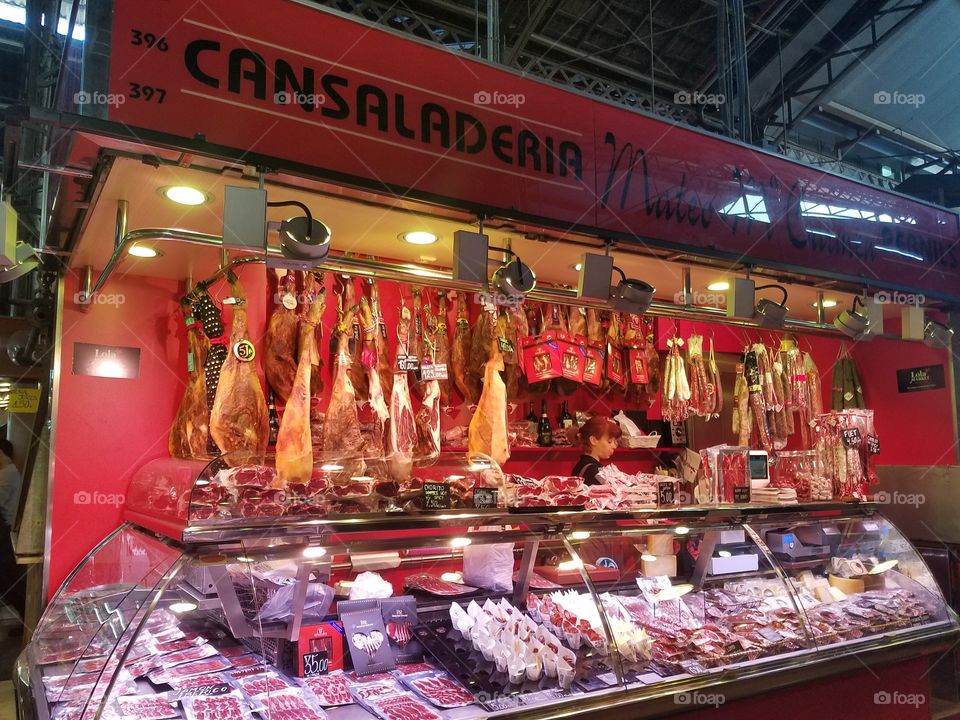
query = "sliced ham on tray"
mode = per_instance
[
  {"x": 329, "y": 689},
  {"x": 402, "y": 707},
  {"x": 147, "y": 707},
  {"x": 436, "y": 586}
]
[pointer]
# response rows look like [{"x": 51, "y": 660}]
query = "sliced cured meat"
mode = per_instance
[
  {"x": 188, "y": 655},
  {"x": 147, "y": 707},
  {"x": 341, "y": 427},
  {"x": 294, "y": 443},
  {"x": 280, "y": 351},
  {"x": 329, "y": 689},
  {"x": 488, "y": 426},
  {"x": 402, "y": 707},
  {"x": 289, "y": 705},
  {"x": 238, "y": 418},
  {"x": 191, "y": 426},
  {"x": 264, "y": 683},
  {"x": 435, "y": 586},
  {"x": 440, "y": 690},
  {"x": 217, "y": 707}
]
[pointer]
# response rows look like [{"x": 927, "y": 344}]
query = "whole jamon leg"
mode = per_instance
[
  {"x": 403, "y": 430},
  {"x": 371, "y": 364},
  {"x": 384, "y": 364},
  {"x": 294, "y": 443},
  {"x": 442, "y": 343},
  {"x": 238, "y": 418},
  {"x": 280, "y": 353},
  {"x": 191, "y": 426},
  {"x": 488, "y": 426},
  {"x": 341, "y": 426},
  {"x": 460, "y": 353}
]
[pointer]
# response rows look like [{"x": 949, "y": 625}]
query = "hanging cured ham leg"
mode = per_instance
[
  {"x": 280, "y": 354},
  {"x": 238, "y": 418},
  {"x": 403, "y": 430},
  {"x": 428, "y": 416},
  {"x": 294, "y": 445},
  {"x": 371, "y": 364},
  {"x": 191, "y": 427},
  {"x": 341, "y": 427},
  {"x": 384, "y": 366},
  {"x": 488, "y": 427}
]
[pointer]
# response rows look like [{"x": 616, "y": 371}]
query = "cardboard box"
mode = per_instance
[
  {"x": 731, "y": 537},
  {"x": 317, "y": 651},
  {"x": 734, "y": 564},
  {"x": 660, "y": 544},
  {"x": 660, "y": 565}
]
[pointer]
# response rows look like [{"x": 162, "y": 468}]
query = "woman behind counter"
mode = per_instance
[{"x": 598, "y": 437}]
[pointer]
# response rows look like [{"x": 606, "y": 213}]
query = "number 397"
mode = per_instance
[{"x": 148, "y": 93}]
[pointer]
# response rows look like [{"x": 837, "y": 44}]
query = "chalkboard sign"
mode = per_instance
[
  {"x": 205, "y": 691},
  {"x": 770, "y": 635},
  {"x": 485, "y": 498},
  {"x": 741, "y": 495},
  {"x": 433, "y": 371},
  {"x": 851, "y": 437},
  {"x": 666, "y": 493},
  {"x": 873, "y": 444},
  {"x": 693, "y": 667},
  {"x": 315, "y": 663},
  {"x": 436, "y": 496}
]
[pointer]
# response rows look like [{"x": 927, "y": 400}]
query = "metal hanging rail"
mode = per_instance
[{"x": 407, "y": 272}]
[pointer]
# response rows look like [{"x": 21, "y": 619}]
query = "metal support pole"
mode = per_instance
[{"x": 493, "y": 31}]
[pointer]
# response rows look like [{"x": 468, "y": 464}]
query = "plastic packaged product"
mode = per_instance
[
  {"x": 370, "y": 585},
  {"x": 202, "y": 681},
  {"x": 216, "y": 707},
  {"x": 247, "y": 661},
  {"x": 180, "y": 657},
  {"x": 289, "y": 705},
  {"x": 439, "y": 688},
  {"x": 402, "y": 706},
  {"x": 268, "y": 682},
  {"x": 198, "y": 667},
  {"x": 435, "y": 586},
  {"x": 147, "y": 707},
  {"x": 185, "y": 643},
  {"x": 489, "y": 566},
  {"x": 329, "y": 690}
]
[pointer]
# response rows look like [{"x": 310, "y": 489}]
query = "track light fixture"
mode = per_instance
[
  {"x": 770, "y": 314},
  {"x": 513, "y": 277},
  {"x": 631, "y": 295},
  {"x": 303, "y": 237},
  {"x": 937, "y": 335},
  {"x": 850, "y": 322}
]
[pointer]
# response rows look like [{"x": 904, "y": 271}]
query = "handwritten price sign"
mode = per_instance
[{"x": 24, "y": 400}]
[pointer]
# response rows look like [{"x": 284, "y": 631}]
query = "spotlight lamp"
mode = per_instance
[
  {"x": 769, "y": 314},
  {"x": 937, "y": 335},
  {"x": 303, "y": 237},
  {"x": 852, "y": 323},
  {"x": 631, "y": 295},
  {"x": 514, "y": 277}
]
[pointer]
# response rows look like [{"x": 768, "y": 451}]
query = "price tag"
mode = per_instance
[
  {"x": 289, "y": 301},
  {"x": 315, "y": 663},
  {"x": 666, "y": 493},
  {"x": 505, "y": 345},
  {"x": 741, "y": 495},
  {"x": 873, "y": 444},
  {"x": 436, "y": 496},
  {"x": 205, "y": 691},
  {"x": 485, "y": 498},
  {"x": 431, "y": 371},
  {"x": 24, "y": 400},
  {"x": 770, "y": 635},
  {"x": 851, "y": 437},
  {"x": 407, "y": 362},
  {"x": 693, "y": 667}
]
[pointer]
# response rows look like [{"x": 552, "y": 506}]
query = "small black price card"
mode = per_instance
[
  {"x": 851, "y": 437},
  {"x": 485, "y": 497},
  {"x": 436, "y": 496},
  {"x": 408, "y": 362},
  {"x": 741, "y": 495},
  {"x": 315, "y": 663},
  {"x": 433, "y": 371},
  {"x": 505, "y": 345},
  {"x": 873, "y": 444},
  {"x": 770, "y": 635},
  {"x": 205, "y": 691},
  {"x": 666, "y": 493}
]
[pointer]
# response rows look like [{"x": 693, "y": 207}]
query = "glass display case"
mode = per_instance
[{"x": 464, "y": 612}]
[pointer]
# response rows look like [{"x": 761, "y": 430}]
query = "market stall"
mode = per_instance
[{"x": 341, "y": 465}]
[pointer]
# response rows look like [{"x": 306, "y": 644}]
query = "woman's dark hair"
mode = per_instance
[{"x": 599, "y": 426}]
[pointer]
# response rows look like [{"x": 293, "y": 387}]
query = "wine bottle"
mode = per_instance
[
  {"x": 274, "y": 420},
  {"x": 566, "y": 419},
  {"x": 544, "y": 431},
  {"x": 532, "y": 416}
]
